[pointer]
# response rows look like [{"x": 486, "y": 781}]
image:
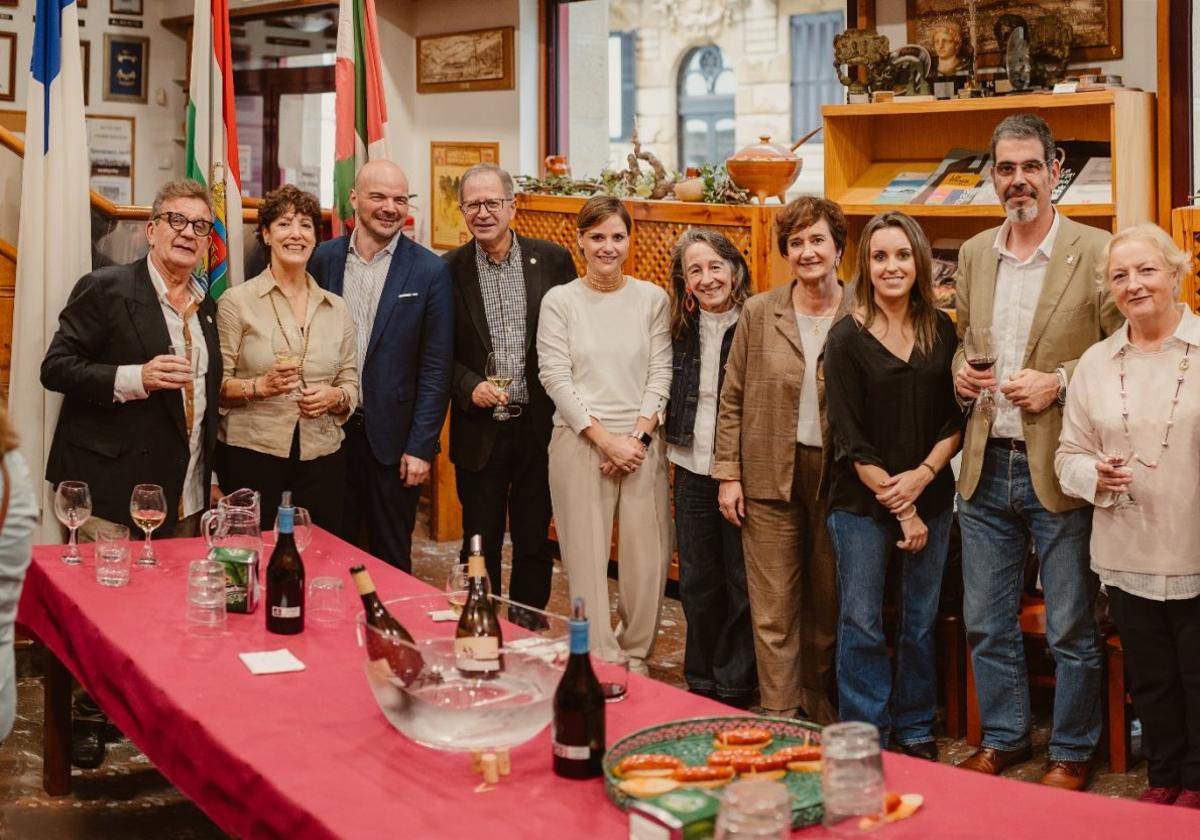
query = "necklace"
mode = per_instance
[
  {"x": 1183, "y": 366},
  {"x": 600, "y": 285},
  {"x": 288, "y": 341},
  {"x": 816, "y": 322}
]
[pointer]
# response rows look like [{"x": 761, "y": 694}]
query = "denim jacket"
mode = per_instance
[{"x": 685, "y": 384}]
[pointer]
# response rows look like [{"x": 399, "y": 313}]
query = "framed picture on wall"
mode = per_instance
[
  {"x": 85, "y": 61},
  {"x": 125, "y": 7},
  {"x": 8, "y": 66},
  {"x": 478, "y": 60},
  {"x": 447, "y": 163},
  {"x": 126, "y": 68},
  {"x": 110, "y": 155}
]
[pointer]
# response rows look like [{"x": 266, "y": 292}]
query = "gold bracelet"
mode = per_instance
[
  {"x": 245, "y": 391},
  {"x": 910, "y": 516}
]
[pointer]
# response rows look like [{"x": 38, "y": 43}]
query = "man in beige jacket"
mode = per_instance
[{"x": 1032, "y": 281}]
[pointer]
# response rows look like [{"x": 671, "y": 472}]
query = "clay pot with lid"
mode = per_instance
[{"x": 765, "y": 168}]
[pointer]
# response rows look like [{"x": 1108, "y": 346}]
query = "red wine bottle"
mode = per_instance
[
  {"x": 578, "y": 730},
  {"x": 285, "y": 577},
  {"x": 478, "y": 638},
  {"x": 384, "y": 633}
]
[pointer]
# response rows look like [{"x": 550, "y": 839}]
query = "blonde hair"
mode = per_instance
[{"x": 1174, "y": 257}]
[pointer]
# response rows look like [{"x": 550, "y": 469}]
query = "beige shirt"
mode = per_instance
[
  {"x": 246, "y": 322},
  {"x": 1018, "y": 288},
  {"x": 1160, "y": 534}
]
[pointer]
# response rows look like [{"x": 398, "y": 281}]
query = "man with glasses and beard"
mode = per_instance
[
  {"x": 399, "y": 297},
  {"x": 1033, "y": 282}
]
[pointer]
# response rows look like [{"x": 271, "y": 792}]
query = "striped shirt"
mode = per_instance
[
  {"x": 362, "y": 286},
  {"x": 503, "y": 287}
]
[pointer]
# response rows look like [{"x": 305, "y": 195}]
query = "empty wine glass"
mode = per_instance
[
  {"x": 1119, "y": 456},
  {"x": 500, "y": 370},
  {"x": 288, "y": 344},
  {"x": 981, "y": 356},
  {"x": 73, "y": 507},
  {"x": 148, "y": 509}
]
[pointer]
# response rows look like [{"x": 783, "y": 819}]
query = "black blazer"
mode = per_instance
[
  {"x": 113, "y": 318},
  {"x": 472, "y": 430},
  {"x": 405, "y": 380}
]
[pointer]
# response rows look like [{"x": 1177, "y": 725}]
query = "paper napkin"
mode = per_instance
[{"x": 271, "y": 661}]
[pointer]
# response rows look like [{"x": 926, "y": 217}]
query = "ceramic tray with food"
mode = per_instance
[{"x": 709, "y": 752}]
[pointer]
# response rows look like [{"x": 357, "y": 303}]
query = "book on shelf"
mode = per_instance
[
  {"x": 903, "y": 187},
  {"x": 986, "y": 193},
  {"x": 945, "y": 264},
  {"x": 1093, "y": 184},
  {"x": 1075, "y": 155},
  {"x": 956, "y": 180}
]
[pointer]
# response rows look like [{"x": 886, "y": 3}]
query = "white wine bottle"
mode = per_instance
[
  {"x": 478, "y": 638},
  {"x": 578, "y": 731},
  {"x": 387, "y": 639}
]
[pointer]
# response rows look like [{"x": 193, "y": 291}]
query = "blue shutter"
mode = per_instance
[{"x": 814, "y": 79}]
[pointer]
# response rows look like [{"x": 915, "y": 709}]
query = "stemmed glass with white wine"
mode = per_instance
[
  {"x": 501, "y": 370},
  {"x": 287, "y": 342},
  {"x": 73, "y": 507},
  {"x": 148, "y": 509}
]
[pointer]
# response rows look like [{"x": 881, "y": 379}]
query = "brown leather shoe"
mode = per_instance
[
  {"x": 992, "y": 761},
  {"x": 1068, "y": 775}
]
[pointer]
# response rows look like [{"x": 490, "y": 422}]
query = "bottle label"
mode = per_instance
[
  {"x": 477, "y": 653},
  {"x": 571, "y": 751},
  {"x": 579, "y": 636},
  {"x": 285, "y": 612},
  {"x": 286, "y": 520}
]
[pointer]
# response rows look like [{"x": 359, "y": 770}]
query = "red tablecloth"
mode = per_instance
[{"x": 309, "y": 754}]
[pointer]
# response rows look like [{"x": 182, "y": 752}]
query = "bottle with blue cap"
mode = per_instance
[{"x": 285, "y": 576}]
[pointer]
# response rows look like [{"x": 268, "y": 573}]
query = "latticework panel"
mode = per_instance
[
  {"x": 554, "y": 227},
  {"x": 1185, "y": 224}
]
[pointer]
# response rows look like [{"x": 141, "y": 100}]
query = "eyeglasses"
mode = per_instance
[
  {"x": 1029, "y": 167},
  {"x": 178, "y": 221},
  {"x": 492, "y": 205}
]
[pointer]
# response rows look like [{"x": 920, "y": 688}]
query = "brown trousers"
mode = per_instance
[{"x": 791, "y": 575}]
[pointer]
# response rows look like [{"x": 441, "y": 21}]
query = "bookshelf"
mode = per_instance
[{"x": 867, "y": 145}]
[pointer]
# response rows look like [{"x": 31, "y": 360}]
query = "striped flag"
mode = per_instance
[
  {"x": 53, "y": 245},
  {"x": 361, "y": 109},
  {"x": 212, "y": 147}
]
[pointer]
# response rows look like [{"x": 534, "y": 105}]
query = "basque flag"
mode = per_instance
[{"x": 54, "y": 242}]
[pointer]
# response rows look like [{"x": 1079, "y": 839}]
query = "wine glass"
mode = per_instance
[
  {"x": 288, "y": 344},
  {"x": 1118, "y": 456},
  {"x": 457, "y": 582},
  {"x": 981, "y": 356},
  {"x": 73, "y": 507},
  {"x": 148, "y": 508},
  {"x": 500, "y": 370}
]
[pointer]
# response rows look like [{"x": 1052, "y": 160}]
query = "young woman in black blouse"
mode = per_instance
[{"x": 895, "y": 426}]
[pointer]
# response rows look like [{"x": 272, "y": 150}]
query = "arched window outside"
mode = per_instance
[{"x": 706, "y": 110}]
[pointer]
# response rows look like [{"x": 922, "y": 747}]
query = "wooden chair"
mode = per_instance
[{"x": 1115, "y": 721}]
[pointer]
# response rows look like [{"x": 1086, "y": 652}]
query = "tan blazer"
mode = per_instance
[
  {"x": 760, "y": 398},
  {"x": 1074, "y": 311}
]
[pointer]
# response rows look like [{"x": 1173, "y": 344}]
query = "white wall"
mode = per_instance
[{"x": 1137, "y": 65}]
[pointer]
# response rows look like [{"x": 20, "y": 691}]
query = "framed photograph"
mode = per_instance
[
  {"x": 110, "y": 154},
  {"x": 447, "y": 163},
  {"x": 126, "y": 67},
  {"x": 125, "y": 7},
  {"x": 8, "y": 66},
  {"x": 460, "y": 61},
  {"x": 1095, "y": 24},
  {"x": 85, "y": 61}
]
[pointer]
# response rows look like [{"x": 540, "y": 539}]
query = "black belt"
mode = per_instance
[
  {"x": 358, "y": 418},
  {"x": 1011, "y": 444}
]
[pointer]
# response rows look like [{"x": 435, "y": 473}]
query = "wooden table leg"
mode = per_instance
[{"x": 56, "y": 729}]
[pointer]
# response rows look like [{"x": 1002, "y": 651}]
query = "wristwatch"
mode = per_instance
[
  {"x": 643, "y": 438},
  {"x": 1061, "y": 372}
]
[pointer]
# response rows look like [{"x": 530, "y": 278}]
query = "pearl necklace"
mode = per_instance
[{"x": 1183, "y": 366}]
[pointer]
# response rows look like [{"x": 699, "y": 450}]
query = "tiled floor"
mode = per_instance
[{"x": 126, "y": 799}]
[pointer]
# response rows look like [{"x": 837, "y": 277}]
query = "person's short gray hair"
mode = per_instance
[
  {"x": 180, "y": 188},
  {"x": 1025, "y": 127},
  {"x": 1174, "y": 258},
  {"x": 506, "y": 180}
]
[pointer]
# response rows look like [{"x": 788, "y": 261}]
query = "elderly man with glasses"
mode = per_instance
[
  {"x": 1032, "y": 283},
  {"x": 499, "y": 436},
  {"x": 398, "y": 294}
]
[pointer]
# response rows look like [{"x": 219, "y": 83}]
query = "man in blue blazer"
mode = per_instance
[{"x": 400, "y": 297}]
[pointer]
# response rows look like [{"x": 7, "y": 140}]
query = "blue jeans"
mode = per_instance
[
  {"x": 719, "y": 657},
  {"x": 864, "y": 677},
  {"x": 997, "y": 524}
]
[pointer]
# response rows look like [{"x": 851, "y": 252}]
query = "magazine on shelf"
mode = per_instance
[
  {"x": 986, "y": 193},
  {"x": 957, "y": 179},
  {"x": 1093, "y": 184},
  {"x": 904, "y": 187},
  {"x": 945, "y": 264},
  {"x": 1075, "y": 155}
]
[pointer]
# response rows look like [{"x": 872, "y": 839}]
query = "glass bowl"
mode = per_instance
[{"x": 425, "y": 697}]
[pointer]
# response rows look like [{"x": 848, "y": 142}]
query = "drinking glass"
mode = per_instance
[
  {"x": 187, "y": 353},
  {"x": 981, "y": 355},
  {"x": 288, "y": 344},
  {"x": 755, "y": 808},
  {"x": 500, "y": 370},
  {"x": 206, "y": 593},
  {"x": 612, "y": 670},
  {"x": 457, "y": 583},
  {"x": 112, "y": 555},
  {"x": 325, "y": 604},
  {"x": 73, "y": 507},
  {"x": 851, "y": 777},
  {"x": 301, "y": 528},
  {"x": 1119, "y": 456},
  {"x": 148, "y": 508}
]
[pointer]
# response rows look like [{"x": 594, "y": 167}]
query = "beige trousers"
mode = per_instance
[
  {"x": 791, "y": 577},
  {"x": 585, "y": 503}
]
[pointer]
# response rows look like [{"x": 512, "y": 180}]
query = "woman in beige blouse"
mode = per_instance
[
  {"x": 1132, "y": 396},
  {"x": 289, "y": 353}
]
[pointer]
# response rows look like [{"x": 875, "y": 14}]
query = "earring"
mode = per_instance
[{"x": 689, "y": 303}]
